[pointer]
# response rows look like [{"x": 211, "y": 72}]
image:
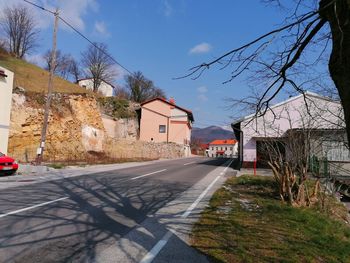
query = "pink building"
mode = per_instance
[
  {"x": 320, "y": 116},
  {"x": 164, "y": 121}
]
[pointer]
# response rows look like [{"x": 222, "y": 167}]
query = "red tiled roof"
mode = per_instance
[{"x": 222, "y": 142}]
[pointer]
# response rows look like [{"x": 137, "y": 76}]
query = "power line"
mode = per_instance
[
  {"x": 82, "y": 35},
  {"x": 40, "y": 7}
]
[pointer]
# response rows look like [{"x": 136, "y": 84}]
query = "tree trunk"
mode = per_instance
[{"x": 338, "y": 17}]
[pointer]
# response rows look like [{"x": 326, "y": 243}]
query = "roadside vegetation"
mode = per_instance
[
  {"x": 247, "y": 222},
  {"x": 117, "y": 107}
]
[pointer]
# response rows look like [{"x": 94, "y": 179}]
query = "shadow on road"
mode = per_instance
[{"x": 99, "y": 211}]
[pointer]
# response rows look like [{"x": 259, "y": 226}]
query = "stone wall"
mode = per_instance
[{"x": 76, "y": 131}]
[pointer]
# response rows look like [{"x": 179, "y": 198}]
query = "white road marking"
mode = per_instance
[
  {"x": 195, "y": 203},
  {"x": 189, "y": 163},
  {"x": 224, "y": 171},
  {"x": 157, "y": 248},
  {"x": 161, "y": 243},
  {"x": 32, "y": 207},
  {"x": 137, "y": 177}
]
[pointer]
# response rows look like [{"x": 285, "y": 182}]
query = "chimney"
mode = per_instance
[{"x": 172, "y": 100}]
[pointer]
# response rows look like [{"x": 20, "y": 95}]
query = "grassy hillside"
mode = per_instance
[{"x": 35, "y": 79}]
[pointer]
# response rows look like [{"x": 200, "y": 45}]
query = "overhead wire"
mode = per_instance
[{"x": 81, "y": 34}]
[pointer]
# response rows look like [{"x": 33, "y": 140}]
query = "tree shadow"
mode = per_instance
[{"x": 99, "y": 211}]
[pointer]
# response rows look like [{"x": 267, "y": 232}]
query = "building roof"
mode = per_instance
[
  {"x": 222, "y": 142},
  {"x": 190, "y": 115},
  {"x": 306, "y": 93}
]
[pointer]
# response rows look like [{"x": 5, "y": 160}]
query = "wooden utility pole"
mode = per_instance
[{"x": 40, "y": 150}]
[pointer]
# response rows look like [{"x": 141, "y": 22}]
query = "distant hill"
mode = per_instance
[{"x": 211, "y": 133}]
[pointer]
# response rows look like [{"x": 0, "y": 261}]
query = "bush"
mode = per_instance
[{"x": 116, "y": 108}]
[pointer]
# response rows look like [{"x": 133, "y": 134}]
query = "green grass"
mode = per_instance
[
  {"x": 246, "y": 222},
  {"x": 35, "y": 79}
]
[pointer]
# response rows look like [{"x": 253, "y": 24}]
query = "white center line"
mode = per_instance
[
  {"x": 189, "y": 163},
  {"x": 140, "y": 176},
  {"x": 32, "y": 207}
]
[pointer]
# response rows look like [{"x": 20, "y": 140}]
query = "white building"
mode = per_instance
[
  {"x": 106, "y": 89},
  {"x": 222, "y": 148},
  {"x": 6, "y": 85},
  {"x": 319, "y": 116}
]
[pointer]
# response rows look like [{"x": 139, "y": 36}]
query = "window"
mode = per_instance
[
  {"x": 231, "y": 148},
  {"x": 225, "y": 148},
  {"x": 336, "y": 151},
  {"x": 162, "y": 128},
  {"x": 217, "y": 148}
]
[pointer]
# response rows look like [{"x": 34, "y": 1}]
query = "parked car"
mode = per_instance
[{"x": 8, "y": 165}]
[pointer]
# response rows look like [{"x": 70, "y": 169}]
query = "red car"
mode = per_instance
[{"x": 8, "y": 165}]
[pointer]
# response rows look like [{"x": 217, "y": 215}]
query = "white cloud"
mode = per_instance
[
  {"x": 37, "y": 59},
  {"x": 202, "y": 89},
  {"x": 167, "y": 8},
  {"x": 70, "y": 10},
  {"x": 202, "y": 98},
  {"x": 101, "y": 29},
  {"x": 74, "y": 10},
  {"x": 200, "y": 48},
  {"x": 120, "y": 72},
  {"x": 227, "y": 127}
]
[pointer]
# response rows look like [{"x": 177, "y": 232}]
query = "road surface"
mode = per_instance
[{"x": 138, "y": 214}]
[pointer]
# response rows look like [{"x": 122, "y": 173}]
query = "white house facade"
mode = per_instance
[
  {"x": 222, "y": 148},
  {"x": 6, "y": 86},
  {"x": 105, "y": 89}
]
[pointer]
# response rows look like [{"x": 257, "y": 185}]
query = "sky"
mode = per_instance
[{"x": 163, "y": 39}]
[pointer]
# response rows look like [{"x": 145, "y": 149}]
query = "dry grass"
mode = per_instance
[
  {"x": 246, "y": 222},
  {"x": 35, "y": 79}
]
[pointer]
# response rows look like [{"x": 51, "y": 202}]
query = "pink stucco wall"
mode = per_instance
[{"x": 157, "y": 113}]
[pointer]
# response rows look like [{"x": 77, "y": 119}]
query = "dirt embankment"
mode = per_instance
[{"x": 76, "y": 131}]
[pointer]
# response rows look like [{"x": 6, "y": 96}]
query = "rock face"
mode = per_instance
[
  {"x": 76, "y": 131},
  {"x": 121, "y": 128}
]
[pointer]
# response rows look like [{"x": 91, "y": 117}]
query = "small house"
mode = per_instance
[
  {"x": 164, "y": 121},
  {"x": 105, "y": 89}
]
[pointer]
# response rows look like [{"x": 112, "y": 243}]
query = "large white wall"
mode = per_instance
[
  {"x": 6, "y": 86},
  {"x": 310, "y": 112}
]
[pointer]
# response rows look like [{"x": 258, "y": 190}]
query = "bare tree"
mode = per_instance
[
  {"x": 19, "y": 29},
  {"x": 295, "y": 138},
  {"x": 99, "y": 65},
  {"x": 74, "y": 70},
  {"x": 278, "y": 55},
  {"x": 62, "y": 63},
  {"x": 141, "y": 89},
  {"x": 122, "y": 93}
]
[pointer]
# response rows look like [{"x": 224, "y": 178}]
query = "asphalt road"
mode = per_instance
[{"x": 115, "y": 216}]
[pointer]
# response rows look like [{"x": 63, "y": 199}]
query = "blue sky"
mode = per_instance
[{"x": 163, "y": 39}]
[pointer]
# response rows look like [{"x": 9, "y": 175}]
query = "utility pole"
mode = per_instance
[{"x": 40, "y": 150}]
